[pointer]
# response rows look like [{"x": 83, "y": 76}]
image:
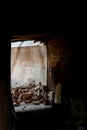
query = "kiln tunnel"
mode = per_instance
[{"x": 29, "y": 75}]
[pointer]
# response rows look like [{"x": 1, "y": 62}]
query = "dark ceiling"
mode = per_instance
[
  {"x": 33, "y": 36},
  {"x": 38, "y": 31}
]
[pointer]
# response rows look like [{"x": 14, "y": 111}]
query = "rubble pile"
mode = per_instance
[{"x": 34, "y": 94}]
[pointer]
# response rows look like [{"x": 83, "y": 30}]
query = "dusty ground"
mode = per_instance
[{"x": 31, "y": 107}]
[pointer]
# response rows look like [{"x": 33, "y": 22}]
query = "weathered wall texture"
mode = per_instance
[
  {"x": 28, "y": 63},
  {"x": 59, "y": 62}
]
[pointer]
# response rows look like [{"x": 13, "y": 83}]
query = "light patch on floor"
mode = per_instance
[{"x": 31, "y": 107}]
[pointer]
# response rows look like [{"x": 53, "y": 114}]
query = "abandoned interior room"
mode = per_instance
[{"x": 41, "y": 81}]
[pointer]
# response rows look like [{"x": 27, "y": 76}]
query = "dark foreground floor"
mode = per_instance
[
  {"x": 38, "y": 120},
  {"x": 49, "y": 119}
]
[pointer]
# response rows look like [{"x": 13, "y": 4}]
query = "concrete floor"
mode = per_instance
[
  {"x": 31, "y": 107},
  {"x": 40, "y": 117}
]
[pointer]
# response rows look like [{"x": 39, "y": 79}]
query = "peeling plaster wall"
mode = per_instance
[{"x": 28, "y": 63}]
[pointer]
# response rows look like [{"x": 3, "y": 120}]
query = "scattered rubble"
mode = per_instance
[{"x": 34, "y": 94}]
